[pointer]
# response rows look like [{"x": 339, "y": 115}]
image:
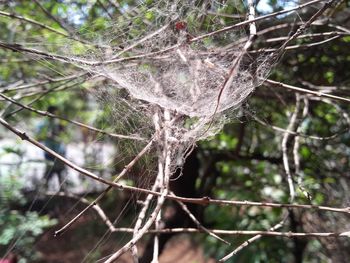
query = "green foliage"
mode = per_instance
[{"x": 18, "y": 229}]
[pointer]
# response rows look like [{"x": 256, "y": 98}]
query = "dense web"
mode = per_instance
[
  {"x": 169, "y": 87},
  {"x": 165, "y": 85},
  {"x": 167, "y": 74},
  {"x": 160, "y": 66}
]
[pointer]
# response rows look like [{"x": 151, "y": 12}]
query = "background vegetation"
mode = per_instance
[{"x": 245, "y": 161}]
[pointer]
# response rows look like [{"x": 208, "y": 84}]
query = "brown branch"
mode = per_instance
[
  {"x": 317, "y": 93},
  {"x": 48, "y": 14},
  {"x": 199, "y": 201},
  {"x": 37, "y": 23},
  {"x": 224, "y": 15},
  {"x": 279, "y": 129},
  {"x": 96, "y": 207},
  {"x": 43, "y": 82},
  {"x": 111, "y": 185},
  {"x": 104, "y": 9},
  {"x": 198, "y": 224},
  {"x": 287, "y": 48},
  {"x": 21, "y": 48},
  {"x": 228, "y": 28},
  {"x": 345, "y": 234},
  {"x": 34, "y": 22},
  {"x": 251, "y": 240},
  {"x": 51, "y": 115},
  {"x": 304, "y": 26}
]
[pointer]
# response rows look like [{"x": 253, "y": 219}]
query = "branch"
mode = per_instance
[
  {"x": 304, "y": 26},
  {"x": 317, "y": 93},
  {"x": 34, "y": 22},
  {"x": 296, "y": 155},
  {"x": 241, "y": 24},
  {"x": 43, "y": 82},
  {"x": 313, "y": 35},
  {"x": 42, "y": 94},
  {"x": 251, "y": 240},
  {"x": 199, "y": 225},
  {"x": 291, "y": 127},
  {"x": 37, "y": 23},
  {"x": 48, "y": 14},
  {"x": 295, "y": 46},
  {"x": 96, "y": 207},
  {"x": 164, "y": 174},
  {"x": 279, "y": 129},
  {"x": 51, "y": 115},
  {"x": 243, "y": 232},
  {"x": 111, "y": 185},
  {"x": 199, "y": 201}
]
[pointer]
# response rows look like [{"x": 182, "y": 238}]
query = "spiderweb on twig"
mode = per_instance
[
  {"x": 180, "y": 90},
  {"x": 163, "y": 86}
]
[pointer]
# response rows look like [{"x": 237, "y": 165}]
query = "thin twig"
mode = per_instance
[
  {"x": 304, "y": 26},
  {"x": 51, "y": 115},
  {"x": 199, "y": 201},
  {"x": 293, "y": 47},
  {"x": 242, "y": 232},
  {"x": 296, "y": 155},
  {"x": 111, "y": 185},
  {"x": 42, "y": 83},
  {"x": 251, "y": 240},
  {"x": 83, "y": 200},
  {"x": 199, "y": 225},
  {"x": 51, "y": 16},
  {"x": 313, "y": 35},
  {"x": 279, "y": 129},
  {"x": 291, "y": 127},
  {"x": 316, "y": 93},
  {"x": 164, "y": 189},
  {"x": 228, "y": 28},
  {"x": 37, "y": 23}
]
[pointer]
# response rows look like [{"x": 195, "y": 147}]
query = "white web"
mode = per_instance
[
  {"x": 185, "y": 87},
  {"x": 164, "y": 87},
  {"x": 171, "y": 90}
]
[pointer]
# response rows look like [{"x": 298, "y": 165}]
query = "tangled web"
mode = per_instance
[
  {"x": 181, "y": 84},
  {"x": 161, "y": 65}
]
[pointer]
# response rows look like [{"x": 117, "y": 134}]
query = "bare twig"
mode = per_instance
[
  {"x": 199, "y": 201},
  {"x": 296, "y": 155},
  {"x": 251, "y": 240},
  {"x": 83, "y": 200},
  {"x": 228, "y": 28},
  {"x": 199, "y": 225},
  {"x": 313, "y": 35},
  {"x": 296, "y": 133},
  {"x": 243, "y": 232},
  {"x": 37, "y": 23},
  {"x": 111, "y": 185},
  {"x": 293, "y": 47},
  {"x": 163, "y": 177},
  {"x": 316, "y": 93},
  {"x": 48, "y": 14},
  {"x": 34, "y": 22},
  {"x": 41, "y": 83},
  {"x": 291, "y": 127},
  {"x": 304, "y": 26},
  {"x": 51, "y": 115}
]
